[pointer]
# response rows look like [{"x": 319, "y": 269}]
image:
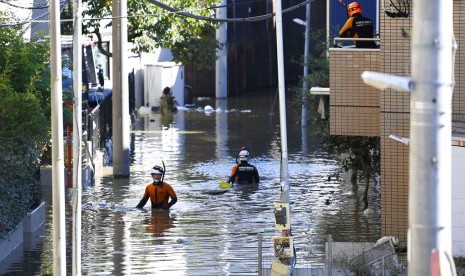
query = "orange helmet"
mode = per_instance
[{"x": 354, "y": 8}]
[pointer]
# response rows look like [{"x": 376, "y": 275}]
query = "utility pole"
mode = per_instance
[
  {"x": 430, "y": 180},
  {"x": 430, "y": 136},
  {"x": 221, "y": 75},
  {"x": 306, "y": 58},
  {"x": 58, "y": 167},
  {"x": 77, "y": 136},
  {"x": 120, "y": 94},
  {"x": 282, "y": 104},
  {"x": 282, "y": 209},
  {"x": 328, "y": 25}
]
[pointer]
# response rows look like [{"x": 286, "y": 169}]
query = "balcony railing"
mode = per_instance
[{"x": 337, "y": 41}]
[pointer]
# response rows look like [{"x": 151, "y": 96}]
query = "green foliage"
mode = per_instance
[
  {"x": 20, "y": 191},
  {"x": 355, "y": 153},
  {"x": 318, "y": 72},
  {"x": 23, "y": 66},
  {"x": 460, "y": 265},
  {"x": 24, "y": 105},
  {"x": 149, "y": 27},
  {"x": 66, "y": 12},
  {"x": 22, "y": 119}
]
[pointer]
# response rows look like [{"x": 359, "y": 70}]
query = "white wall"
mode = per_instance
[
  {"x": 458, "y": 201},
  {"x": 159, "y": 75},
  {"x": 161, "y": 54}
]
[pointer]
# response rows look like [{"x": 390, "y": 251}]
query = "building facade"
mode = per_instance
[{"x": 356, "y": 109}]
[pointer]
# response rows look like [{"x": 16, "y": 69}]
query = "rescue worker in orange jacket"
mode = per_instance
[
  {"x": 358, "y": 26},
  {"x": 244, "y": 172},
  {"x": 158, "y": 191}
]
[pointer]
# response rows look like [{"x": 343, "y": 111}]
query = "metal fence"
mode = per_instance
[
  {"x": 342, "y": 258},
  {"x": 98, "y": 125},
  {"x": 94, "y": 130}
]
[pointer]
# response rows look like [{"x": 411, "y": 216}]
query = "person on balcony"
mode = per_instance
[
  {"x": 244, "y": 172},
  {"x": 358, "y": 26}
]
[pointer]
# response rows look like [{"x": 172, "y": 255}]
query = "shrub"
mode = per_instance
[{"x": 24, "y": 115}]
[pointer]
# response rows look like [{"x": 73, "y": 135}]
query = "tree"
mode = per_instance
[
  {"x": 356, "y": 154},
  {"x": 149, "y": 27}
]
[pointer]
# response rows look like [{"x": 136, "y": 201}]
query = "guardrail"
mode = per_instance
[
  {"x": 337, "y": 40},
  {"x": 341, "y": 258}
]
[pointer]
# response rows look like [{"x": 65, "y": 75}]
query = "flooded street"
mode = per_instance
[{"x": 210, "y": 231}]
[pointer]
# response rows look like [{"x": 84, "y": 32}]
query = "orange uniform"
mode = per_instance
[
  {"x": 159, "y": 196},
  {"x": 358, "y": 26}
]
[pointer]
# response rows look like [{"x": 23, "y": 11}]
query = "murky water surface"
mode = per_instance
[{"x": 211, "y": 231}]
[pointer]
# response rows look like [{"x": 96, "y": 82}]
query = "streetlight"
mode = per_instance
[
  {"x": 300, "y": 22},
  {"x": 306, "y": 24}
]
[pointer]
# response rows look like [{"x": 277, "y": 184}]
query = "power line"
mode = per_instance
[
  {"x": 244, "y": 19},
  {"x": 175, "y": 11},
  {"x": 45, "y": 6},
  {"x": 34, "y": 20}
]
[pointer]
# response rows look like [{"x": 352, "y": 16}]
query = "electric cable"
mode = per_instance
[
  {"x": 36, "y": 19},
  {"x": 23, "y": 7},
  {"x": 176, "y": 12},
  {"x": 244, "y": 19},
  {"x": 402, "y": 8}
]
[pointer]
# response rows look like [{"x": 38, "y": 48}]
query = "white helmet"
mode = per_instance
[
  {"x": 157, "y": 170},
  {"x": 244, "y": 155}
]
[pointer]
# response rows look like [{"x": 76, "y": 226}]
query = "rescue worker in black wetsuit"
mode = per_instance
[
  {"x": 158, "y": 191},
  {"x": 244, "y": 172},
  {"x": 358, "y": 26}
]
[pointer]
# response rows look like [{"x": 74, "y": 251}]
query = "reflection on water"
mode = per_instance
[{"x": 211, "y": 231}]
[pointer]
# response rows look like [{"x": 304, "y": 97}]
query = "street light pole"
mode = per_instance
[
  {"x": 306, "y": 55},
  {"x": 306, "y": 24},
  {"x": 282, "y": 104},
  {"x": 221, "y": 76}
]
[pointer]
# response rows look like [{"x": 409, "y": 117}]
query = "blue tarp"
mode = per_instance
[{"x": 97, "y": 97}]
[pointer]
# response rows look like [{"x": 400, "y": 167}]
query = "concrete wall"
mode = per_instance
[
  {"x": 458, "y": 201},
  {"x": 27, "y": 235},
  {"x": 11, "y": 248}
]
